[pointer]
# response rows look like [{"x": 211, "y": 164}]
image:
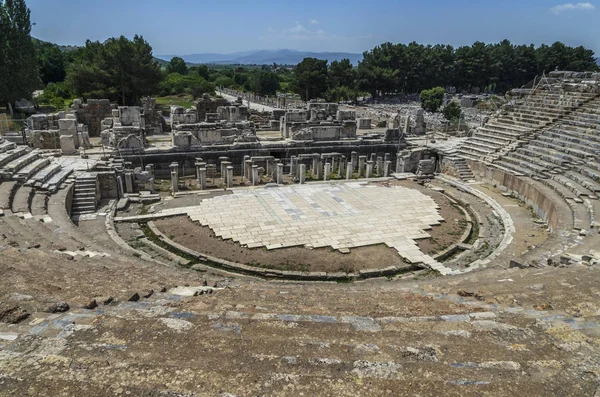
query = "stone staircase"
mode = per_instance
[
  {"x": 462, "y": 167},
  {"x": 85, "y": 194}
]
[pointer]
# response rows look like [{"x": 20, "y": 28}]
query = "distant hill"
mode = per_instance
[{"x": 265, "y": 57}]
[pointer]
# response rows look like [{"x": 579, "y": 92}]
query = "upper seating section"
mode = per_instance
[
  {"x": 524, "y": 116},
  {"x": 566, "y": 158}
]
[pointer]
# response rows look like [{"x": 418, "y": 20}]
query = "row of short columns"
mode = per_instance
[{"x": 365, "y": 166}]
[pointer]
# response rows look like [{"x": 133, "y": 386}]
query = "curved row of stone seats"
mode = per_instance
[
  {"x": 581, "y": 215},
  {"x": 7, "y": 192},
  {"x": 521, "y": 120},
  {"x": 6, "y": 145},
  {"x": 39, "y": 204},
  {"x": 566, "y": 158},
  {"x": 56, "y": 180},
  {"x": 19, "y": 162},
  {"x": 23, "y": 174},
  {"x": 12, "y": 154},
  {"x": 39, "y": 178},
  {"x": 22, "y": 199}
]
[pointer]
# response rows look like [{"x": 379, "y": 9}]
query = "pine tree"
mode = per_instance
[{"x": 18, "y": 62}]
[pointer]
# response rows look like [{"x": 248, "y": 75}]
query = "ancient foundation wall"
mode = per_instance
[
  {"x": 107, "y": 182},
  {"x": 92, "y": 113},
  {"x": 186, "y": 160},
  {"x": 543, "y": 206}
]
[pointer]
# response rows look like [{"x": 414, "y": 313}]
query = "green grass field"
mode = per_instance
[{"x": 178, "y": 100}]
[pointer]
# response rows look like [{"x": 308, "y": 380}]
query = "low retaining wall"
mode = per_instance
[
  {"x": 543, "y": 206},
  {"x": 499, "y": 211},
  {"x": 279, "y": 274}
]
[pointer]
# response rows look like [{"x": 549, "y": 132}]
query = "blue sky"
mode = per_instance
[{"x": 223, "y": 26}]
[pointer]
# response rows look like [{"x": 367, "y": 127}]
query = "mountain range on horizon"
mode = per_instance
[{"x": 264, "y": 57}]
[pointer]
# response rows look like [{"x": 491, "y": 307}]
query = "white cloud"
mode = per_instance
[
  {"x": 314, "y": 22},
  {"x": 572, "y": 7},
  {"x": 301, "y": 33},
  {"x": 298, "y": 28}
]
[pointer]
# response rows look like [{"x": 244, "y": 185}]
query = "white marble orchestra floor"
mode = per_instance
[{"x": 337, "y": 215}]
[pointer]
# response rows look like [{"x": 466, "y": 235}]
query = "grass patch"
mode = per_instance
[{"x": 177, "y": 100}]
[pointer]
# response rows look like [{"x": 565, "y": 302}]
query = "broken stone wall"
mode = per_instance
[
  {"x": 206, "y": 104},
  {"x": 107, "y": 181},
  {"x": 92, "y": 113},
  {"x": 153, "y": 120}
]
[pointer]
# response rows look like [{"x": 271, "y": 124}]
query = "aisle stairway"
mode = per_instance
[{"x": 85, "y": 194}]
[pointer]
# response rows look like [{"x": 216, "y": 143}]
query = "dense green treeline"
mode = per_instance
[
  {"x": 124, "y": 70},
  {"x": 497, "y": 67}
]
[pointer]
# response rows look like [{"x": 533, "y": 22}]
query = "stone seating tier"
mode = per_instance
[
  {"x": 572, "y": 142},
  {"x": 513, "y": 121},
  {"x": 579, "y": 210},
  {"x": 20, "y": 162},
  {"x": 6, "y": 145},
  {"x": 560, "y": 148},
  {"x": 13, "y": 154},
  {"x": 570, "y": 135},
  {"x": 485, "y": 146},
  {"x": 526, "y": 167},
  {"x": 548, "y": 166},
  {"x": 30, "y": 169},
  {"x": 43, "y": 175}
]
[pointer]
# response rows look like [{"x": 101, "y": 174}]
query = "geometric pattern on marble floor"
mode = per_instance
[{"x": 338, "y": 215}]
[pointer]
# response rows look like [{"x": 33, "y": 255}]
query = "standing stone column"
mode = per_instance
[
  {"x": 293, "y": 166},
  {"x": 150, "y": 170},
  {"x": 354, "y": 160},
  {"x": 361, "y": 165},
  {"x": 319, "y": 169},
  {"x": 120, "y": 191},
  {"x": 244, "y": 166},
  {"x": 373, "y": 157},
  {"x": 379, "y": 165},
  {"x": 229, "y": 179},
  {"x": 302, "y": 173},
  {"x": 255, "y": 175},
  {"x": 386, "y": 168},
  {"x": 198, "y": 166},
  {"x": 224, "y": 165},
  {"x": 349, "y": 170},
  {"x": 202, "y": 178},
  {"x": 386, "y": 157},
  {"x": 315, "y": 165},
  {"x": 129, "y": 182},
  {"x": 342, "y": 166},
  {"x": 280, "y": 173},
  {"x": 174, "y": 177},
  {"x": 327, "y": 171},
  {"x": 369, "y": 168},
  {"x": 399, "y": 164},
  {"x": 174, "y": 182},
  {"x": 249, "y": 170}
]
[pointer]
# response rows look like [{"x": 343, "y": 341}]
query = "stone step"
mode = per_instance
[
  {"x": 6, "y": 146},
  {"x": 22, "y": 199},
  {"x": 11, "y": 155},
  {"x": 7, "y": 192},
  {"x": 40, "y": 177},
  {"x": 21, "y": 162},
  {"x": 39, "y": 204},
  {"x": 30, "y": 169}
]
